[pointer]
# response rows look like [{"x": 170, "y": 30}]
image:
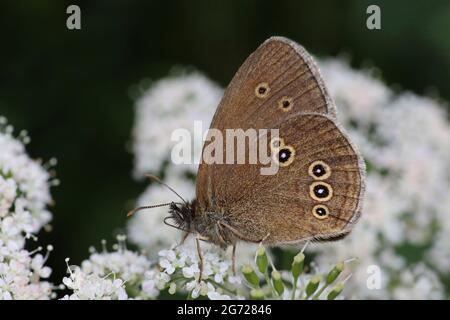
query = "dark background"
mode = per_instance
[{"x": 72, "y": 90}]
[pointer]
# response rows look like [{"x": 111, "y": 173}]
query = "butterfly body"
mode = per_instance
[
  {"x": 318, "y": 190},
  {"x": 208, "y": 225}
]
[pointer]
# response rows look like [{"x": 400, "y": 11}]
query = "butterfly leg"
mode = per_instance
[
  {"x": 200, "y": 259},
  {"x": 219, "y": 232},
  {"x": 236, "y": 232},
  {"x": 233, "y": 259}
]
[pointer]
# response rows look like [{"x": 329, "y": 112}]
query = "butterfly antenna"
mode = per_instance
[
  {"x": 132, "y": 212},
  {"x": 152, "y": 177}
]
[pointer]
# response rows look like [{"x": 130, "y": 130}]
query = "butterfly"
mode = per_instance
[{"x": 318, "y": 190}]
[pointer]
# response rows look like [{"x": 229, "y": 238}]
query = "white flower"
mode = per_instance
[
  {"x": 357, "y": 94},
  {"x": 191, "y": 271},
  {"x": 24, "y": 196},
  {"x": 105, "y": 275},
  {"x": 212, "y": 295},
  {"x": 150, "y": 284},
  {"x": 167, "y": 266},
  {"x": 216, "y": 270},
  {"x": 8, "y": 192},
  {"x": 198, "y": 289},
  {"x": 93, "y": 287},
  {"x": 37, "y": 265},
  {"x": 176, "y": 271}
]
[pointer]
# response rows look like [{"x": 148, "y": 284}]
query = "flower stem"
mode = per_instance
[
  {"x": 220, "y": 286},
  {"x": 319, "y": 292},
  {"x": 294, "y": 288}
]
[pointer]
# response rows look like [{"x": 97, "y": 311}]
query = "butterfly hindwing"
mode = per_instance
[{"x": 316, "y": 196}]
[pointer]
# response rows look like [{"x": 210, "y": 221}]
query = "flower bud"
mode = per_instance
[
  {"x": 313, "y": 284},
  {"x": 256, "y": 294},
  {"x": 250, "y": 275},
  {"x": 172, "y": 288},
  {"x": 298, "y": 264},
  {"x": 261, "y": 259},
  {"x": 277, "y": 282},
  {"x": 335, "y": 272},
  {"x": 335, "y": 291}
]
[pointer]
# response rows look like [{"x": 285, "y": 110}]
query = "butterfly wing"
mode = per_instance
[
  {"x": 318, "y": 195},
  {"x": 281, "y": 68},
  {"x": 279, "y": 87}
]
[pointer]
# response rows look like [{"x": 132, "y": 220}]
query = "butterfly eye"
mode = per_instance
[
  {"x": 262, "y": 90},
  {"x": 285, "y": 103},
  {"x": 320, "y": 211},
  {"x": 320, "y": 191},
  {"x": 285, "y": 156},
  {"x": 319, "y": 170},
  {"x": 276, "y": 143}
]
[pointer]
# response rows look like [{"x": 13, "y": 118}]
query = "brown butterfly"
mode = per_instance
[{"x": 317, "y": 192}]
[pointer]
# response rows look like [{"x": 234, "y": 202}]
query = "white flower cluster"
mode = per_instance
[
  {"x": 182, "y": 263},
  {"x": 105, "y": 275},
  {"x": 123, "y": 274},
  {"x": 405, "y": 141},
  {"x": 24, "y": 197},
  {"x": 181, "y": 273},
  {"x": 93, "y": 287}
]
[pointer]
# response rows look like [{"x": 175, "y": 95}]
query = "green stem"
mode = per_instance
[
  {"x": 302, "y": 289},
  {"x": 319, "y": 292},
  {"x": 269, "y": 283},
  {"x": 294, "y": 288},
  {"x": 221, "y": 286}
]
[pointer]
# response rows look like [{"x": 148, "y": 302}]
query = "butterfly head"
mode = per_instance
[
  {"x": 182, "y": 215},
  {"x": 209, "y": 226}
]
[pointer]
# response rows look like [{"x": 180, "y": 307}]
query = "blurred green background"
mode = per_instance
[{"x": 72, "y": 89}]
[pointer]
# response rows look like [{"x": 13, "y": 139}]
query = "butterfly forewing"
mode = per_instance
[{"x": 283, "y": 69}]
